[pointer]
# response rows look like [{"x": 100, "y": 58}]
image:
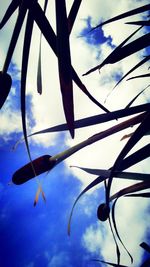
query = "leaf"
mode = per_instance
[
  {"x": 5, "y": 86},
  {"x": 64, "y": 63},
  {"x": 117, "y": 174},
  {"x": 142, "y": 23},
  {"x": 49, "y": 35},
  {"x": 18, "y": 25},
  {"x": 131, "y": 102},
  {"x": 146, "y": 75},
  {"x": 93, "y": 120},
  {"x": 135, "y": 157},
  {"x": 116, "y": 230},
  {"x": 41, "y": 165},
  {"x": 145, "y": 195},
  {"x": 118, "y": 53},
  {"x": 134, "y": 68},
  {"x": 73, "y": 13},
  {"x": 25, "y": 57},
  {"x": 138, "y": 134},
  {"x": 10, "y": 10},
  {"x": 39, "y": 72},
  {"x": 131, "y": 189},
  {"x": 145, "y": 246},
  {"x": 126, "y": 14}
]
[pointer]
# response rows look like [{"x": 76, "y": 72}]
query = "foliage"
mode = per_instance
[{"x": 60, "y": 45}]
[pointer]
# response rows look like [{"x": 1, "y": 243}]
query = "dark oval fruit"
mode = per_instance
[
  {"x": 41, "y": 165},
  {"x": 103, "y": 212},
  {"x": 5, "y": 85}
]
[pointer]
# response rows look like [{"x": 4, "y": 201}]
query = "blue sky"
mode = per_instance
[{"x": 37, "y": 236}]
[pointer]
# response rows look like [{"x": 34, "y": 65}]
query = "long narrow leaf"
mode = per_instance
[
  {"x": 131, "y": 102},
  {"x": 146, "y": 75},
  {"x": 93, "y": 120},
  {"x": 10, "y": 10},
  {"x": 49, "y": 35},
  {"x": 39, "y": 72},
  {"x": 134, "y": 68},
  {"x": 145, "y": 195},
  {"x": 141, "y": 23},
  {"x": 118, "y": 53},
  {"x": 73, "y": 13},
  {"x": 138, "y": 134},
  {"x": 116, "y": 230},
  {"x": 126, "y": 14},
  {"x": 117, "y": 174},
  {"x": 64, "y": 63},
  {"x": 5, "y": 86},
  {"x": 131, "y": 189},
  {"x": 15, "y": 35}
]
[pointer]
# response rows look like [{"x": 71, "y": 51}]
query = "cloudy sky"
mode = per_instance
[{"x": 37, "y": 236}]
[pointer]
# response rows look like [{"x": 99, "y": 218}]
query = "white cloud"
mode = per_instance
[{"x": 60, "y": 259}]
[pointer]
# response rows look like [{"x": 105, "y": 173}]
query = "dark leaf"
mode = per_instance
[
  {"x": 140, "y": 23},
  {"x": 117, "y": 174},
  {"x": 10, "y": 10},
  {"x": 126, "y": 14},
  {"x": 39, "y": 72},
  {"x": 93, "y": 120},
  {"x": 41, "y": 165},
  {"x": 116, "y": 230},
  {"x": 145, "y": 195},
  {"x": 134, "y": 68},
  {"x": 5, "y": 86},
  {"x": 18, "y": 25},
  {"x": 120, "y": 52},
  {"x": 145, "y": 246},
  {"x": 131, "y": 102},
  {"x": 64, "y": 63},
  {"x": 49, "y": 35},
  {"x": 146, "y": 75},
  {"x": 73, "y": 14},
  {"x": 137, "y": 135},
  {"x": 131, "y": 189}
]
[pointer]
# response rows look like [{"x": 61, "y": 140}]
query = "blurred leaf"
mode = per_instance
[
  {"x": 142, "y": 23},
  {"x": 145, "y": 246},
  {"x": 39, "y": 72},
  {"x": 41, "y": 165},
  {"x": 73, "y": 13},
  {"x": 134, "y": 68},
  {"x": 131, "y": 102},
  {"x": 131, "y": 189},
  {"x": 64, "y": 63},
  {"x": 39, "y": 190},
  {"x": 145, "y": 195},
  {"x": 10, "y": 10},
  {"x": 146, "y": 75},
  {"x": 117, "y": 174},
  {"x": 49, "y": 35},
  {"x": 5, "y": 86},
  {"x": 126, "y": 14},
  {"x": 93, "y": 120}
]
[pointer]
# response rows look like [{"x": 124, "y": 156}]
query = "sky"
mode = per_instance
[{"x": 37, "y": 236}]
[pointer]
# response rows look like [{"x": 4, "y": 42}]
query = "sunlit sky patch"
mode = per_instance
[{"x": 35, "y": 237}]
